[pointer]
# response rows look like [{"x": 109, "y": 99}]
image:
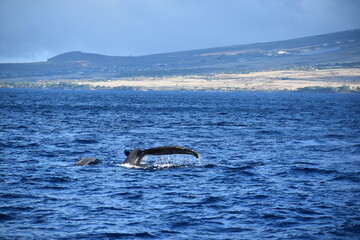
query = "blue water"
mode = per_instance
[{"x": 273, "y": 165}]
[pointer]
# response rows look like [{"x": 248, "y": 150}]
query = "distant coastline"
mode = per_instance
[
  {"x": 339, "y": 80},
  {"x": 322, "y": 63}
]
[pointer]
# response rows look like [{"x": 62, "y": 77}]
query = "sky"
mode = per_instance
[{"x": 35, "y": 30}]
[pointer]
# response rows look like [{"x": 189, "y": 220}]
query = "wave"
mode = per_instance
[
  {"x": 115, "y": 235},
  {"x": 313, "y": 170},
  {"x": 348, "y": 177},
  {"x": 5, "y": 217},
  {"x": 86, "y": 141}
]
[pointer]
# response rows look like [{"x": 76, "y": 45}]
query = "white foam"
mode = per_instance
[{"x": 165, "y": 161}]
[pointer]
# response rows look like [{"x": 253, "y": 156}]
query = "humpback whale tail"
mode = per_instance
[{"x": 135, "y": 156}]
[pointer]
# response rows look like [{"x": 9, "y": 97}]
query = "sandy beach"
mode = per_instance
[{"x": 286, "y": 80}]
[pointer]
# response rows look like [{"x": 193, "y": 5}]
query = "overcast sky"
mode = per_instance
[{"x": 34, "y": 30}]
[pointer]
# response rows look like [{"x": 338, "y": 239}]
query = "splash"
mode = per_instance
[
  {"x": 174, "y": 161},
  {"x": 165, "y": 161}
]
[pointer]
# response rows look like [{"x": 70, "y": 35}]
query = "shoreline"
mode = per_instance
[
  {"x": 281, "y": 80},
  {"x": 325, "y": 80}
]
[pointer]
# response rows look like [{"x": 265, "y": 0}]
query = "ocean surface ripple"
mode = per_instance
[{"x": 273, "y": 165}]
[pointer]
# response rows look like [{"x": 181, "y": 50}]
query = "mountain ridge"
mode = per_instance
[
  {"x": 329, "y": 36},
  {"x": 325, "y": 50}
]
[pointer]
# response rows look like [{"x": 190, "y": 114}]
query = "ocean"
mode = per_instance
[{"x": 272, "y": 165}]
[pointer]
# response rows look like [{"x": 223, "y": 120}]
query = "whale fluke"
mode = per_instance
[
  {"x": 135, "y": 156},
  {"x": 87, "y": 161}
]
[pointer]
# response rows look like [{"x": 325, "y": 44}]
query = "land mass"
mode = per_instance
[{"x": 328, "y": 62}]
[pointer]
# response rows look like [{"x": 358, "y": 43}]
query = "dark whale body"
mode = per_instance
[
  {"x": 87, "y": 161},
  {"x": 135, "y": 156}
]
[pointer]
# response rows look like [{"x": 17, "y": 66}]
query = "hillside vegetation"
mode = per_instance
[{"x": 316, "y": 54}]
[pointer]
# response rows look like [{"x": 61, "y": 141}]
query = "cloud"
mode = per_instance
[{"x": 39, "y": 29}]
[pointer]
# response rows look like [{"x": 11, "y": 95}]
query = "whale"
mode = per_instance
[
  {"x": 134, "y": 157},
  {"x": 87, "y": 161}
]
